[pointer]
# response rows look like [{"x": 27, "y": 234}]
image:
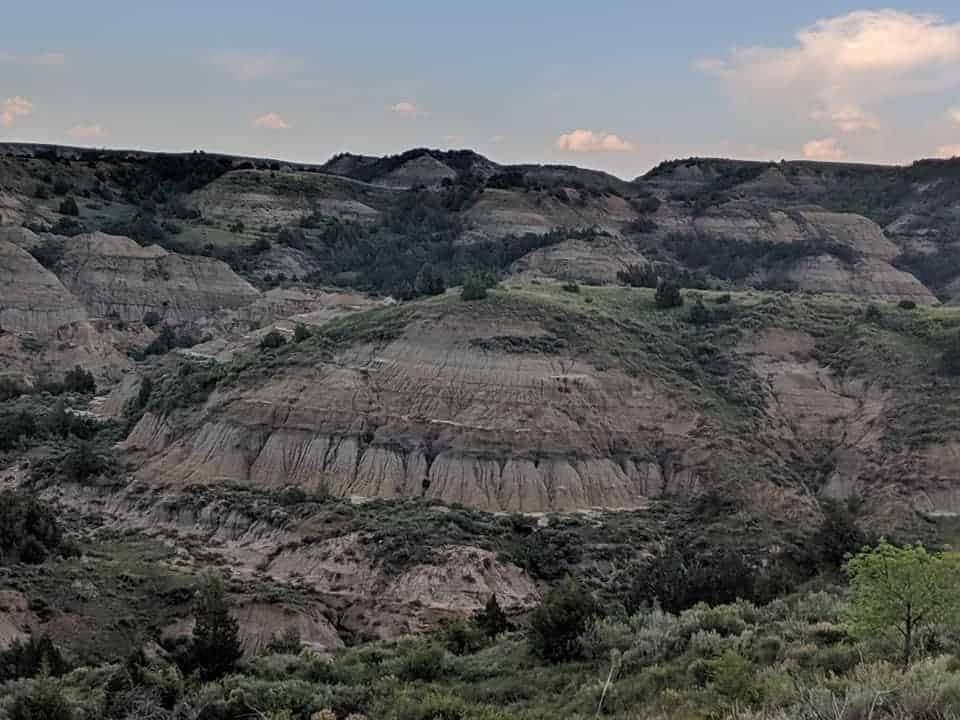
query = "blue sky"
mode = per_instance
[{"x": 613, "y": 85}]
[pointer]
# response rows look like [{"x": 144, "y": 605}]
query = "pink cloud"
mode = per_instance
[
  {"x": 87, "y": 132},
  {"x": 824, "y": 149},
  {"x": 14, "y": 108},
  {"x": 592, "y": 141},
  {"x": 271, "y": 121}
]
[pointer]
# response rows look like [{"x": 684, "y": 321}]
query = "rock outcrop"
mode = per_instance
[
  {"x": 44, "y": 328},
  {"x": 116, "y": 278}
]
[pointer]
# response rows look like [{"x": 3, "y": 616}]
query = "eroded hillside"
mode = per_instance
[{"x": 289, "y": 383}]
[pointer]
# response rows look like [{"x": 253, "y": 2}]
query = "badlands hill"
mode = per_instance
[{"x": 286, "y": 386}]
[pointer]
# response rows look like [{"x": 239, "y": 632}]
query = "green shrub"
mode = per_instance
[
  {"x": 429, "y": 281},
  {"x": 272, "y": 340},
  {"x": 80, "y": 381},
  {"x": 151, "y": 318},
  {"x": 570, "y": 287},
  {"x": 29, "y": 530},
  {"x": 668, "y": 295},
  {"x": 462, "y": 638},
  {"x": 69, "y": 207},
  {"x": 67, "y": 226},
  {"x": 424, "y": 661},
  {"x": 907, "y": 304},
  {"x": 300, "y": 333},
  {"x": 43, "y": 700},
  {"x": 286, "y": 643},
  {"x": 16, "y": 427},
  {"x": 699, "y": 314},
  {"x": 31, "y": 657},
  {"x": 474, "y": 288},
  {"x": 558, "y": 623},
  {"x": 733, "y": 677}
]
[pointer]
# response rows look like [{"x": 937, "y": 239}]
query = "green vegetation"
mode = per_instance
[
  {"x": 903, "y": 589},
  {"x": 736, "y": 260},
  {"x": 69, "y": 207},
  {"x": 557, "y": 625},
  {"x": 30, "y": 658},
  {"x": 668, "y": 295},
  {"x": 272, "y": 340},
  {"x": 29, "y": 531},
  {"x": 214, "y": 648},
  {"x": 798, "y": 656}
]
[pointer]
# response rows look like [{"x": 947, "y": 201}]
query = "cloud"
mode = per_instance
[
  {"x": 87, "y": 132},
  {"x": 592, "y": 141},
  {"x": 955, "y": 115},
  {"x": 848, "y": 119},
  {"x": 405, "y": 108},
  {"x": 948, "y": 151},
  {"x": 49, "y": 59},
  {"x": 247, "y": 66},
  {"x": 824, "y": 149},
  {"x": 271, "y": 121},
  {"x": 498, "y": 138},
  {"x": 13, "y": 108},
  {"x": 841, "y": 65}
]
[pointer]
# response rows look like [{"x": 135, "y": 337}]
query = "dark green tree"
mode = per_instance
[
  {"x": 492, "y": 620},
  {"x": 668, "y": 295},
  {"x": 42, "y": 701},
  {"x": 951, "y": 356},
  {"x": 558, "y": 623},
  {"x": 69, "y": 207},
  {"x": 300, "y": 333},
  {"x": 429, "y": 281},
  {"x": 216, "y": 645},
  {"x": 272, "y": 340}
]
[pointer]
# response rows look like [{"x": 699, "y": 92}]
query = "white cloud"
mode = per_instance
[
  {"x": 592, "y": 141},
  {"x": 405, "y": 108},
  {"x": 948, "y": 151},
  {"x": 498, "y": 138},
  {"x": 841, "y": 65},
  {"x": 87, "y": 132},
  {"x": 49, "y": 59},
  {"x": 955, "y": 115},
  {"x": 254, "y": 66},
  {"x": 271, "y": 121},
  {"x": 823, "y": 149},
  {"x": 848, "y": 119},
  {"x": 13, "y": 108}
]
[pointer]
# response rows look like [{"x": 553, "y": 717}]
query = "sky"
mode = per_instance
[{"x": 618, "y": 86}]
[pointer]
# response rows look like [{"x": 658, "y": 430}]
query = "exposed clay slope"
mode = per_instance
[
  {"x": 115, "y": 277},
  {"x": 45, "y": 328},
  {"x": 542, "y": 400}
]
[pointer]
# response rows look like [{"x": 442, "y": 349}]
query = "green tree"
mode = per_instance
[
  {"x": 902, "y": 589},
  {"x": 951, "y": 356},
  {"x": 492, "y": 620},
  {"x": 300, "y": 333},
  {"x": 668, "y": 294},
  {"x": 216, "y": 646},
  {"x": 43, "y": 700},
  {"x": 429, "y": 281},
  {"x": 272, "y": 340},
  {"x": 558, "y": 623},
  {"x": 475, "y": 286},
  {"x": 69, "y": 207}
]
